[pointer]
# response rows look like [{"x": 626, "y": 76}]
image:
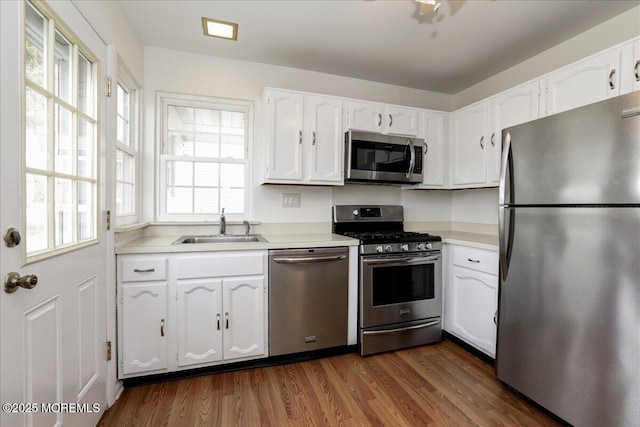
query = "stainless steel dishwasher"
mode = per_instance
[{"x": 308, "y": 295}]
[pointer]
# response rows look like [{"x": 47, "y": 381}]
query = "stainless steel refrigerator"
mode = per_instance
[{"x": 569, "y": 221}]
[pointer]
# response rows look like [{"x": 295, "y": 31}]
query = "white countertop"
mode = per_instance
[
  {"x": 475, "y": 240},
  {"x": 163, "y": 244}
]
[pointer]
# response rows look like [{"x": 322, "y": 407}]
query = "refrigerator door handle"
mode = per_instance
[{"x": 506, "y": 155}]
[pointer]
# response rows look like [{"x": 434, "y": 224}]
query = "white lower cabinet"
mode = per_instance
[
  {"x": 471, "y": 296},
  {"x": 209, "y": 309}
]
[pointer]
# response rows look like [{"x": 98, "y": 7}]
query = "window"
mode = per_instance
[
  {"x": 204, "y": 164},
  {"x": 127, "y": 120},
  {"x": 60, "y": 138}
]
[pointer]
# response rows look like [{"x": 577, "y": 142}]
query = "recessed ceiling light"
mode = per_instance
[{"x": 222, "y": 29}]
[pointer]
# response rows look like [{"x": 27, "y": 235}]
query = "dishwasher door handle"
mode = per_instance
[{"x": 304, "y": 260}]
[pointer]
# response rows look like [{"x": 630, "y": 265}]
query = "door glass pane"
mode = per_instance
[
  {"x": 37, "y": 148},
  {"x": 86, "y": 140},
  {"x": 37, "y": 203},
  {"x": 85, "y": 86},
  {"x": 35, "y": 40},
  {"x": 64, "y": 141},
  {"x": 63, "y": 53},
  {"x": 86, "y": 220},
  {"x": 64, "y": 211}
]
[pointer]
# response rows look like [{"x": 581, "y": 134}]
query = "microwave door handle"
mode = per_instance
[{"x": 412, "y": 162}]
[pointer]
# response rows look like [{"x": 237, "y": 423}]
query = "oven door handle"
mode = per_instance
[
  {"x": 401, "y": 260},
  {"x": 400, "y": 330}
]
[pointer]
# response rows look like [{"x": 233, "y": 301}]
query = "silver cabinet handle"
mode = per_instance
[
  {"x": 475, "y": 261},
  {"x": 379, "y": 119},
  {"x": 218, "y": 320},
  {"x": 493, "y": 135},
  {"x": 636, "y": 70},
  {"x": 299, "y": 137},
  {"x": 148, "y": 270},
  {"x": 161, "y": 327},
  {"x": 303, "y": 260},
  {"x": 495, "y": 318},
  {"x": 314, "y": 138},
  {"x": 390, "y": 120},
  {"x": 482, "y": 142},
  {"x": 612, "y": 85},
  {"x": 426, "y": 146},
  {"x": 226, "y": 320}
]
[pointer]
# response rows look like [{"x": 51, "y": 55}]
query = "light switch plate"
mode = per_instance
[{"x": 290, "y": 200}]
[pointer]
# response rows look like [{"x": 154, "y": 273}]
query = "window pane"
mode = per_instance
[
  {"x": 122, "y": 122},
  {"x": 232, "y": 122},
  {"x": 37, "y": 148},
  {"x": 232, "y": 175},
  {"x": 86, "y": 140},
  {"x": 123, "y": 101},
  {"x": 179, "y": 173},
  {"x": 232, "y": 146},
  {"x": 63, "y": 52},
  {"x": 64, "y": 211},
  {"x": 124, "y": 198},
  {"x": 179, "y": 200},
  {"x": 34, "y": 46},
  {"x": 125, "y": 167},
  {"x": 232, "y": 200},
  {"x": 86, "y": 220},
  {"x": 207, "y": 145},
  {"x": 207, "y": 121},
  {"x": 180, "y": 118},
  {"x": 37, "y": 204},
  {"x": 63, "y": 142},
  {"x": 85, "y": 86},
  {"x": 206, "y": 200},
  {"x": 180, "y": 144},
  {"x": 206, "y": 174}
]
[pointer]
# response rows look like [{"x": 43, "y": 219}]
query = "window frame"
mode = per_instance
[
  {"x": 126, "y": 80},
  {"x": 163, "y": 100},
  {"x": 55, "y": 26}
]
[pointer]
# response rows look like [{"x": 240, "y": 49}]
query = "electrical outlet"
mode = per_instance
[{"x": 290, "y": 200}]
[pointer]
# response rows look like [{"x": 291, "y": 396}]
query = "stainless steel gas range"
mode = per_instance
[{"x": 400, "y": 278}]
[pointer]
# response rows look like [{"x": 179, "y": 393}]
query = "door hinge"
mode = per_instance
[
  {"x": 177, "y": 355},
  {"x": 108, "y": 88},
  {"x": 108, "y": 351},
  {"x": 108, "y": 220}
]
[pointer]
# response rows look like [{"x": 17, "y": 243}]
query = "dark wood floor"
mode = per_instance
[{"x": 437, "y": 385}]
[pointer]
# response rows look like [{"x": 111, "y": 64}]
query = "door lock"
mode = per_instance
[
  {"x": 14, "y": 281},
  {"x": 12, "y": 237}
]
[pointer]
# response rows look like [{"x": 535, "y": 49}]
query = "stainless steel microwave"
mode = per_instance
[{"x": 373, "y": 157}]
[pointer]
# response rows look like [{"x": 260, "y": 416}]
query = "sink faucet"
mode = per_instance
[
  {"x": 247, "y": 227},
  {"x": 223, "y": 223}
]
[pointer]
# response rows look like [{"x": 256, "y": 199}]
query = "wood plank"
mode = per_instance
[{"x": 434, "y": 385}]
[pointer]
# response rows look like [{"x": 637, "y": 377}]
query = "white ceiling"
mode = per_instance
[{"x": 379, "y": 40}]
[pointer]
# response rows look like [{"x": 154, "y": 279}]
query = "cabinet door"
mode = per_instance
[
  {"x": 327, "y": 140},
  {"x": 244, "y": 324},
  {"x": 583, "y": 83},
  {"x": 200, "y": 321},
  {"x": 144, "y": 335},
  {"x": 472, "y": 304},
  {"x": 513, "y": 107},
  {"x": 469, "y": 146},
  {"x": 635, "y": 67},
  {"x": 433, "y": 163},
  {"x": 284, "y": 135},
  {"x": 366, "y": 116},
  {"x": 400, "y": 121}
]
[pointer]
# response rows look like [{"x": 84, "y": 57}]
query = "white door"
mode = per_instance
[
  {"x": 326, "y": 152},
  {"x": 52, "y": 337},
  {"x": 244, "y": 323}
]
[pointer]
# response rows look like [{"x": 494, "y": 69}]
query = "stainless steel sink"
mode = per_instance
[{"x": 226, "y": 238}]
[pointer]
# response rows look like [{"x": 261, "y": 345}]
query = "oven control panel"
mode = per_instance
[{"x": 390, "y": 248}]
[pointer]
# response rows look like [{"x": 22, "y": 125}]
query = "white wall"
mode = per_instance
[
  {"x": 610, "y": 33},
  {"x": 476, "y": 206},
  {"x": 182, "y": 72}
]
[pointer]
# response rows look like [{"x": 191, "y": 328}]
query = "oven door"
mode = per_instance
[{"x": 400, "y": 288}]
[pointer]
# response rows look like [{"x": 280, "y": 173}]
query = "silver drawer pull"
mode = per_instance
[
  {"x": 148, "y": 270},
  {"x": 161, "y": 327},
  {"x": 218, "y": 319},
  {"x": 475, "y": 261},
  {"x": 612, "y": 84}
]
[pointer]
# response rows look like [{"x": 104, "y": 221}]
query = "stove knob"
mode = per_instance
[
  {"x": 404, "y": 247},
  {"x": 387, "y": 248},
  {"x": 421, "y": 246},
  {"x": 356, "y": 212},
  {"x": 379, "y": 249},
  {"x": 428, "y": 245}
]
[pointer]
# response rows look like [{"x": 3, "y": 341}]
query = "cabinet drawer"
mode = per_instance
[
  {"x": 221, "y": 265},
  {"x": 476, "y": 259},
  {"x": 144, "y": 269}
]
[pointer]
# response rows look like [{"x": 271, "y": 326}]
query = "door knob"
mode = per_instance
[{"x": 13, "y": 281}]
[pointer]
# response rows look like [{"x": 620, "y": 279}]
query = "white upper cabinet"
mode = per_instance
[
  {"x": 434, "y": 159},
  {"x": 594, "y": 79},
  {"x": 469, "y": 146},
  {"x": 630, "y": 68},
  {"x": 324, "y": 130},
  {"x": 285, "y": 121},
  {"x": 635, "y": 75},
  {"x": 512, "y": 107},
  {"x": 304, "y": 138},
  {"x": 380, "y": 118}
]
